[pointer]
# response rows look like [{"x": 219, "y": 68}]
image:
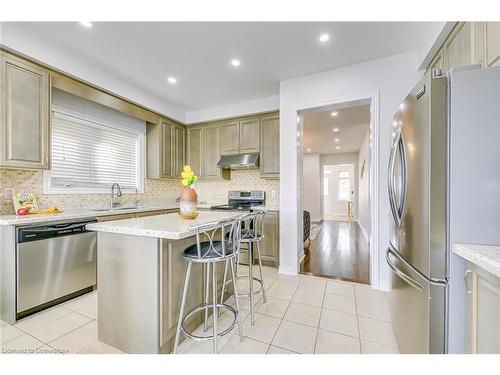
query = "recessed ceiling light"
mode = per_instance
[
  {"x": 235, "y": 62},
  {"x": 337, "y": 147},
  {"x": 335, "y": 130},
  {"x": 172, "y": 80},
  {"x": 323, "y": 38},
  {"x": 86, "y": 24},
  {"x": 308, "y": 150},
  {"x": 337, "y": 140},
  {"x": 334, "y": 114}
]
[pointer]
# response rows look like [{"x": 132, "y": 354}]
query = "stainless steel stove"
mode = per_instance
[{"x": 242, "y": 200}]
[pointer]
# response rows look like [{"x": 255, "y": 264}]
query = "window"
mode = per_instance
[
  {"x": 88, "y": 156},
  {"x": 344, "y": 186}
]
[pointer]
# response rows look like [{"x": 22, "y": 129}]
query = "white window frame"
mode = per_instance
[{"x": 49, "y": 189}]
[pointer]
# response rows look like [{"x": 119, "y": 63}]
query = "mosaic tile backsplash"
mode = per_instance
[{"x": 155, "y": 191}]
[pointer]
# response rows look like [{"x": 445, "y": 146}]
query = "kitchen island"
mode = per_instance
[{"x": 140, "y": 273}]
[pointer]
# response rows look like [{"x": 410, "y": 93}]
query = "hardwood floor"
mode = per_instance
[{"x": 339, "y": 251}]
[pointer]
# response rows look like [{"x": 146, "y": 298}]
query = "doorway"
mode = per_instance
[{"x": 336, "y": 194}]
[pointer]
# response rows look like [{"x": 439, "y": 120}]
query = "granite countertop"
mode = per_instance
[
  {"x": 267, "y": 207},
  {"x": 486, "y": 257},
  {"x": 80, "y": 214},
  {"x": 170, "y": 226}
]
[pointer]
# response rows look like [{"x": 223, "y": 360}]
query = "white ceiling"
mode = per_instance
[
  {"x": 198, "y": 54},
  {"x": 353, "y": 123}
]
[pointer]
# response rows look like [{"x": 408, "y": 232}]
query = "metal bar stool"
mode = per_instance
[
  {"x": 252, "y": 232},
  {"x": 210, "y": 253}
]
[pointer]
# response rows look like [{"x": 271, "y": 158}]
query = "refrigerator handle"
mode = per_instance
[
  {"x": 400, "y": 273},
  {"x": 390, "y": 181}
]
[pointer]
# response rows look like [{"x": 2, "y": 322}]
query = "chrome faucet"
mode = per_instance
[{"x": 112, "y": 195}]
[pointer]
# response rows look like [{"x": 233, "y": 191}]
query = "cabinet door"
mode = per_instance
[
  {"x": 25, "y": 115},
  {"x": 249, "y": 135},
  {"x": 459, "y": 49},
  {"x": 492, "y": 35},
  {"x": 230, "y": 135},
  {"x": 484, "y": 312},
  {"x": 179, "y": 147},
  {"x": 167, "y": 162},
  {"x": 270, "y": 146},
  {"x": 194, "y": 150},
  {"x": 269, "y": 247},
  {"x": 211, "y": 151}
]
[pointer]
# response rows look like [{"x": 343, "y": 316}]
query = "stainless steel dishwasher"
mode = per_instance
[{"x": 54, "y": 263}]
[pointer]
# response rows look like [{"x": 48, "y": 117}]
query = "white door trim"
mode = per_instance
[{"x": 375, "y": 250}]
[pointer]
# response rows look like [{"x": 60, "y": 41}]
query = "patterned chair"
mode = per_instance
[{"x": 306, "y": 218}]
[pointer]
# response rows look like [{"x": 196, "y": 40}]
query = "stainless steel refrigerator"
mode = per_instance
[{"x": 443, "y": 188}]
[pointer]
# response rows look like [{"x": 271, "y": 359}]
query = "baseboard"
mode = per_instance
[{"x": 287, "y": 270}]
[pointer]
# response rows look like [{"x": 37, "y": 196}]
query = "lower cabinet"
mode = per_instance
[
  {"x": 269, "y": 248},
  {"x": 483, "y": 298}
]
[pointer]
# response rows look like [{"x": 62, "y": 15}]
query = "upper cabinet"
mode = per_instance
[
  {"x": 270, "y": 144},
  {"x": 469, "y": 43},
  {"x": 25, "y": 114},
  {"x": 492, "y": 43},
  {"x": 166, "y": 149},
  {"x": 203, "y": 151},
  {"x": 240, "y": 136}
]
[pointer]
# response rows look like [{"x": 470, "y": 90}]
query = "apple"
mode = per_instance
[{"x": 23, "y": 211}]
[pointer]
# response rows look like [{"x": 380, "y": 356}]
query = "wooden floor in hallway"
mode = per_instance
[{"x": 339, "y": 250}]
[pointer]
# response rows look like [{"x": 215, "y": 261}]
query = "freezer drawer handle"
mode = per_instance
[
  {"x": 401, "y": 274},
  {"x": 466, "y": 286}
]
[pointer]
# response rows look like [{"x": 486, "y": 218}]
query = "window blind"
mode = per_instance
[{"x": 88, "y": 154}]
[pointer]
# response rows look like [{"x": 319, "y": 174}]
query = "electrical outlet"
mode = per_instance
[
  {"x": 273, "y": 193},
  {"x": 7, "y": 192}
]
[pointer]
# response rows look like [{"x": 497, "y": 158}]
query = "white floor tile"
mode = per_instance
[
  {"x": 339, "y": 322},
  {"x": 282, "y": 290},
  {"x": 264, "y": 329},
  {"x": 79, "y": 302},
  {"x": 304, "y": 314},
  {"x": 335, "y": 343},
  {"x": 276, "y": 350},
  {"x": 248, "y": 346},
  {"x": 24, "y": 344},
  {"x": 44, "y": 317},
  {"x": 286, "y": 279},
  {"x": 374, "y": 309},
  {"x": 368, "y": 347},
  {"x": 296, "y": 337},
  {"x": 312, "y": 282},
  {"x": 308, "y": 296},
  {"x": 365, "y": 292},
  {"x": 100, "y": 348},
  {"x": 340, "y": 303},
  {"x": 57, "y": 328},
  {"x": 77, "y": 340},
  {"x": 340, "y": 288},
  {"x": 89, "y": 311},
  {"x": 273, "y": 307},
  {"x": 376, "y": 331},
  {"x": 8, "y": 332}
]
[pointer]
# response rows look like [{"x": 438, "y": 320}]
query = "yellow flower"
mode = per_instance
[
  {"x": 187, "y": 168},
  {"x": 187, "y": 174},
  {"x": 185, "y": 182}
]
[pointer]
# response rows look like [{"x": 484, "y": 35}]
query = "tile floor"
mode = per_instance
[{"x": 303, "y": 314}]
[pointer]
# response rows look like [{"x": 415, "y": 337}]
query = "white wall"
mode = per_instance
[
  {"x": 364, "y": 186},
  {"x": 311, "y": 193},
  {"x": 391, "y": 78},
  {"x": 269, "y": 103},
  {"x": 28, "y": 44},
  {"x": 335, "y": 159}
]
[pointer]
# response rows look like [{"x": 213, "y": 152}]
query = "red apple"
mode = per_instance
[{"x": 23, "y": 211}]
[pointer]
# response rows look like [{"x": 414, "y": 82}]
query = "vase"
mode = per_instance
[{"x": 187, "y": 202}]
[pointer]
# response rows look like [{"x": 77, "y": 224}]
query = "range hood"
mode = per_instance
[{"x": 240, "y": 161}]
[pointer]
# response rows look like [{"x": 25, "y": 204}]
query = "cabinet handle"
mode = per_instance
[{"x": 466, "y": 286}]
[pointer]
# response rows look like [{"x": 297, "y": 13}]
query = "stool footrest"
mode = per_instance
[
  {"x": 241, "y": 294},
  {"x": 202, "y": 308}
]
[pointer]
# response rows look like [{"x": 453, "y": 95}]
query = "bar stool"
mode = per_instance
[
  {"x": 209, "y": 253},
  {"x": 252, "y": 232}
]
